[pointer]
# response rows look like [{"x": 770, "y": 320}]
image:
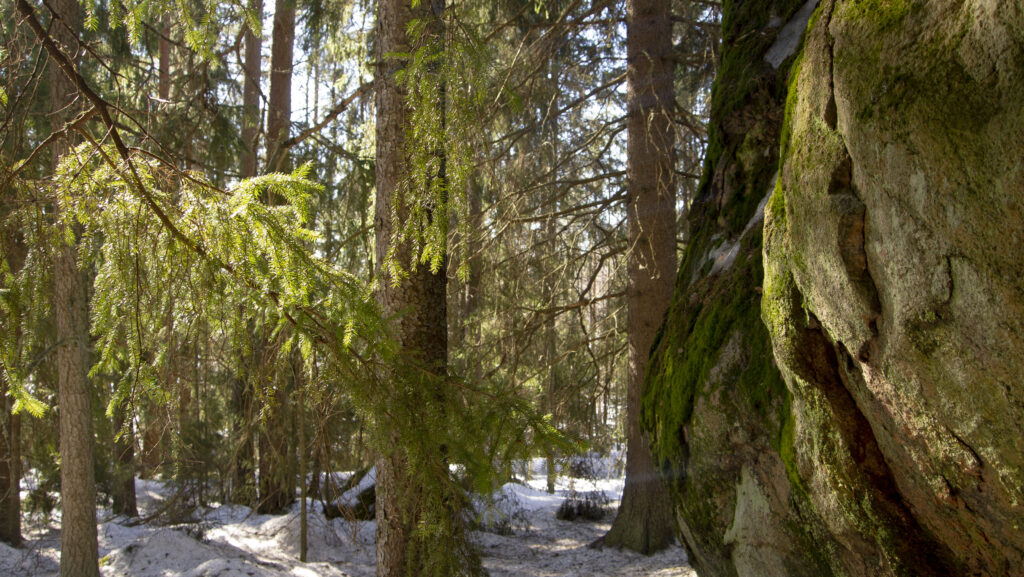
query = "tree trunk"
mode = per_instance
[
  {"x": 275, "y": 468},
  {"x": 164, "y": 72},
  {"x": 280, "y": 105},
  {"x": 79, "y": 555},
  {"x": 251, "y": 92},
  {"x": 243, "y": 485},
  {"x": 422, "y": 329},
  {"x": 14, "y": 250},
  {"x": 123, "y": 493},
  {"x": 10, "y": 470},
  {"x": 644, "y": 521},
  {"x": 304, "y": 522}
]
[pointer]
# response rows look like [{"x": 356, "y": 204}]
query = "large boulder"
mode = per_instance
[
  {"x": 894, "y": 285},
  {"x": 873, "y": 422},
  {"x": 715, "y": 405}
]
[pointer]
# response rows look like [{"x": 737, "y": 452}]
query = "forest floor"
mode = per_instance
[{"x": 233, "y": 541}]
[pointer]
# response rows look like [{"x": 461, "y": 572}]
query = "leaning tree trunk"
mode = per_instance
[
  {"x": 644, "y": 522},
  {"x": 79, "y": 555}
]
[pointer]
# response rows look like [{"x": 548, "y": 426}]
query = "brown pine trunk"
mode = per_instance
[
  {"x": 280, "y": 104},
  {"x": 123, "y": 493},
  {"x": 164, "y": 72},
  {"x": 276, "y": 481},
  {"x": 251, "y": 93},
  {"x": 79, "y": 556},
  {"x": 275, "y": 466},
  {"x": 422, "y": 329},
  {"x": 644, "y": 522},
  {"x": 10, "y": 470},
  {"x": 10, "y": 424}
]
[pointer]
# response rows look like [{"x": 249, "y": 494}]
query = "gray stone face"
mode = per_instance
[
  {"x": 894, "y": 241},
  {"x": 839, "y": 391}
]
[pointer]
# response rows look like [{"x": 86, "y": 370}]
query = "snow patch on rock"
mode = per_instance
[{"x": 788, "y": 39}]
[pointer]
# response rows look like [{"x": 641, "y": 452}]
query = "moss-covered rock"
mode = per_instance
[
  {"x": 894, "y": 285},
  {"x": 715, "y": 404},
  {"x": 892, "y": 441}
]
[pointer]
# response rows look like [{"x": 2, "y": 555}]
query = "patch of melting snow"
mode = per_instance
[
  {"x": 725, "y": 254},
  {"x": 788, "y": 39},
  {"x": 233, "y": 541}
]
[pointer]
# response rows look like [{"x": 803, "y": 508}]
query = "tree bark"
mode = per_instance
[
  {"x": 277, "y": 472},
  {"x": 10, "y": 470},
  {"x": 123, "y": 494},
  {"x": 14, "y": 250},
  {"x": 280, "y": 104},
  {"x": 252, "y": 70},
  {"x": 644, "y": 522},
  {"x": 422, "y": 328},
  {"x": 79, "y": 554},
  {"x": 164, "y": 72},
  {"x": 275, "y": 466}
]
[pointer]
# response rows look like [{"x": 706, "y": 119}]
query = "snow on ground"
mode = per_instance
[{"x": 233, "y": 541}]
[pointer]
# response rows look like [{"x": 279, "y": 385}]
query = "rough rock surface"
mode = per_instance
[
  {"x": 894, "y": 286},
  {"x": 714, "y": 404},
  {"x": 892, "y": 441}
]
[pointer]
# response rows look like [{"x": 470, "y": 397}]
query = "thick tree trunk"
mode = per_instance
[
  {"x": 422, "y": 329},
  {"x": 280, "y": 104},
  {"x": 251, "y": 93},
  {"x": 644, "y": 522},
  {"x": 79, "y": 556}
]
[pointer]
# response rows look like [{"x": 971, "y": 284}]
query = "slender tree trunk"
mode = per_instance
[
  {"x": 10, "y": 470},
  {"x": 644, "y": 522},
  {"x": 304, "y": 523},
  {"x": 277, "y": 468},
  {"x": 252, "y": 70},
  {"x": 14, "y": 250},
  {"x": 280, "y": 105},
  {"x": 154, "y": 431},
  {"x": 124, "y": 465},
  {"x": 79, "y": 556},
  {"x": 164, "y": 72},
  {"x": 243, "y": 486}
]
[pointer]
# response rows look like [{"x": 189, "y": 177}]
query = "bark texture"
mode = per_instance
[
  {"x": 422, "y": 327},
  {"x": 644, "y": 521},
  {"x": 123, "y": 490},
  {"x": 10, "y": 470},
  {"x": 279, "y": 107},
  {"x": 13, "y": 248},
  {"x": 78, "y": 544},
  {"x": 251, "y": 92}
]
